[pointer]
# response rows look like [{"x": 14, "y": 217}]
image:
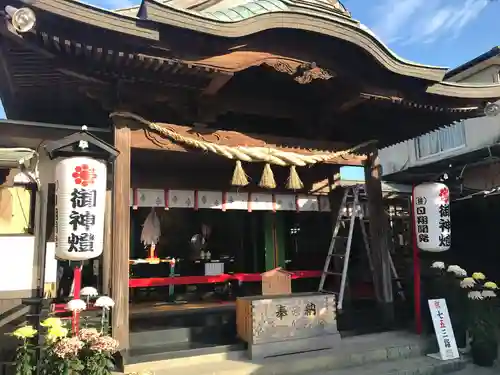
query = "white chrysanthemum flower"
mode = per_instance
[
  {"x": 488, "y": 294},
  {"x": 457, "y": 270},
  {"x": 76, "y": 305},
  {"x": 438, "y": 265},
  {"x": 475, "y": 295},
  {"x": 468, "y": 282},
  {"x": 461, "y": 273},
  {"x": 89, "y": 291},
  {"x": 105, "y": 302}
]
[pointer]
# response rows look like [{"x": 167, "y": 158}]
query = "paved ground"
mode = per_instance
[{"x": 476, "y": 370}]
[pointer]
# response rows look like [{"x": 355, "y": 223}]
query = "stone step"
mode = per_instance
[
  {"x": 407, "y": 366},
  {"x": 349, "y": 352},
  {"x": 159, "y": 337},
  {"x": 163, "y": 354}
]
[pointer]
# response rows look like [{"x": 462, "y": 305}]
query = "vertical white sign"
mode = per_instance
[{"x": 444, "y": 331}]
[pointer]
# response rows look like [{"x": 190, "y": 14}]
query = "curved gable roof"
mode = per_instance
[
  {"x": 211, "y": 6},
  {"x": 252, "y": 17}
]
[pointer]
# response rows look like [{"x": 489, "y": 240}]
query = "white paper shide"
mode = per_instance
[
  {"x": 80, "y": 205},
  {"x": 431, "y": 207}
]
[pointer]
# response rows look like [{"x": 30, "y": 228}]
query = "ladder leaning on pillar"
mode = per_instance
[{"x": 350, "y": 210}]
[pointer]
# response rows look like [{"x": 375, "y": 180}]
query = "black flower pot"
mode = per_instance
[{"x": 484, "y": 353}]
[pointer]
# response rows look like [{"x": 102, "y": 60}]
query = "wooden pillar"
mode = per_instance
[
  {"x": 379, "y": 235},
  {"x": 121, "y": 237}
]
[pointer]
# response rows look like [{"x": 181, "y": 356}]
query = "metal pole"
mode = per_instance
[
  {"x": 41, "y": 251},
  {"x": 416, "y": 269}
]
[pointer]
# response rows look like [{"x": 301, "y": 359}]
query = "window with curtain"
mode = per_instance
[
  {"x": 16, "y": 210},
  {"x": 442, "y": 140}
]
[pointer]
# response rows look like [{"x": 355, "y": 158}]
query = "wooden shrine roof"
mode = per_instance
[{"x": 303, "y": 68}]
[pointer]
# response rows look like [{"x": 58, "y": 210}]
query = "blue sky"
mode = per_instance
[{"x": 437, "y": 32}]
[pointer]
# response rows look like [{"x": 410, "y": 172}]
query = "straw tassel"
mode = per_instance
[
  {"x": 267, "y": 180},
  {"x": 240, "y": 178},
  {"x": 294, "y": 182}
]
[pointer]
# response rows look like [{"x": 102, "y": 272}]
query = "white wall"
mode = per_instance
[
  {"x": 479, "y": 132},
  {"x": 19, "y": 255},
  {"x": 17, "y": 270}
]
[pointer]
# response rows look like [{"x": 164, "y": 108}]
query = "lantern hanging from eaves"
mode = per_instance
[
  {"x": 431, "y": 210},
  {"x": 80, "y": 181},
  {"x": 80, "y": 204}
]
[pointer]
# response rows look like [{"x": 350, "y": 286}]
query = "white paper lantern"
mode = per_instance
[
  {"x": 80, "y": 205},
  {"x": 431, "y": 209}
]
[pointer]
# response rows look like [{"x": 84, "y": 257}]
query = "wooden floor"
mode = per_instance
[{"x": 167, "y": 307}]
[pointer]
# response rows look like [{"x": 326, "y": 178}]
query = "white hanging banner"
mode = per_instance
[
  {"x": 308, "y": 203},
  {"x": 80, "y": 205},
  {"x": 444, "y": 331},
  {"x": 181, "y": 198},
  {"x": 150, "y": 198},
  {"x": 210, "y": 199},
  {"x": 261, "y": 202},
  {"x": 285, "y": 202},
  {"x": 236, "y": 201},
  {"x": 431, "y": 207}
]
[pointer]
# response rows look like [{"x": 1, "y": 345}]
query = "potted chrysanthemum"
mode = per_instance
[
  {"x": 25, "y": 352},
  {"x": 97, "y": 352},
  {"x": 483, "y": 319},
  {"x": 80, "y": 351}
]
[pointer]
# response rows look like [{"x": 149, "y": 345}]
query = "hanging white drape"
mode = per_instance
[{"x": 151, "y": 230}]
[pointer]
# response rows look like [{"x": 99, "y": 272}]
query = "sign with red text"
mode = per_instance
[
  {"x": 444, "y": 331},
  {"x": 80, "y": 204},
  {"x": 431, "y": 209}
]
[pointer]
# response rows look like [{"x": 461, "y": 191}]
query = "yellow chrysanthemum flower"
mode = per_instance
[
  {"x": 490, "y": 285},
  {"x": 56, "y": 332},
  {"x": 51, "y": 322},
  {"x": 478, "y": 276},
  {"x": 26, "y": 332}
]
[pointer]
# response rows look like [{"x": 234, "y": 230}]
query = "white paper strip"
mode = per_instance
[
  {"x": 236, "y": 201},
  {"x": 261, "y": 202},
  {"x": 181, "y": 199},
  {"x": 285, "y": 202},
  {"x": 210, "y": 199}
]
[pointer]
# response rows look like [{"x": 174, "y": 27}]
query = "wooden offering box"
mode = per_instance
[
  {"x": 276, "y": 282},
  {"x": 286, "y": 324}
]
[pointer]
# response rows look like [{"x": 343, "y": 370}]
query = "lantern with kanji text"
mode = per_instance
[
  {"x": 80, "y": 204},
  {"x": 431, "y": 210}
]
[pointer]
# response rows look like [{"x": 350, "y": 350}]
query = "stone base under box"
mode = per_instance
[{"x": 292, "y": 346}]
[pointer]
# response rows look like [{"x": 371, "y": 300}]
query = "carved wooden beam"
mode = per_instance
[
  {"x": 302, "y": 73},
  {"x": 145, "y": 139}
]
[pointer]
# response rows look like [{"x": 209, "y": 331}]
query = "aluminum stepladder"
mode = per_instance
[{"x": 350, "y": 210}]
